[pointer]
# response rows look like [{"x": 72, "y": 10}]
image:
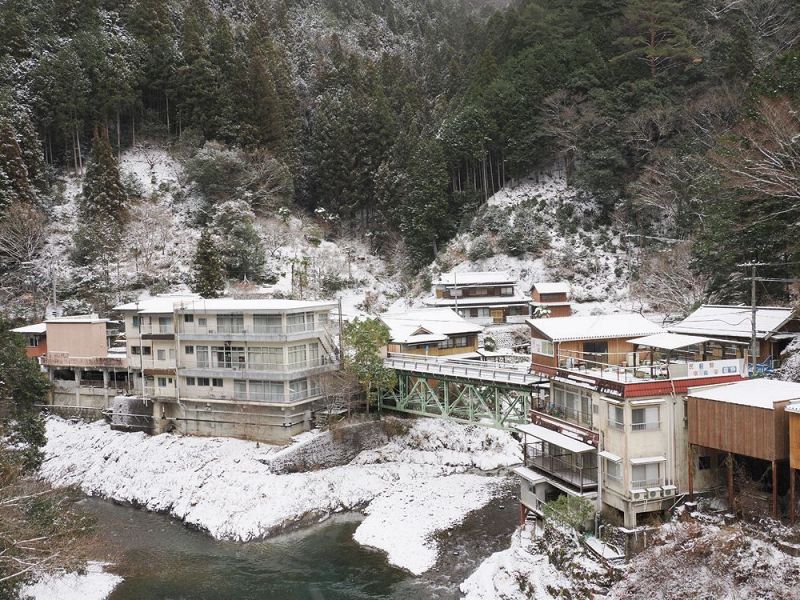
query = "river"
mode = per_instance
[{"x": 160, "y": 558}]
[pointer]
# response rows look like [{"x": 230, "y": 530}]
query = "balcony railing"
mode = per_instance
[
  {"x": 651, "y": 426},
  {"x": 258, "y": 366},
  {"x": 155, "y": 391},
  {"x": 646, "y": 483},
  {"x": 579, "y": 417},
  {"x": 566, "y": 466}
]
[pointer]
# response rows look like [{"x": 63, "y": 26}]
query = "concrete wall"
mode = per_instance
[
  {"x": 82, "y": 340},
  {"x": 332, "y": 448}
]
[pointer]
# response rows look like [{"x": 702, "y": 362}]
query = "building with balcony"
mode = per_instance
[
  {"x": 551, "y": 300},
  {"x": 614, "y": 424},
  {"x": 432, "y": 332},
  {"x": 776, "y": 326},
  {"x": 81, "y": 358},
  {"x": 485, "y": 298},
  {"x": 230, "y": 367}
]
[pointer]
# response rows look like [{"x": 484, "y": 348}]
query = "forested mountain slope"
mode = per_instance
[{"x": 389, "y": 124}]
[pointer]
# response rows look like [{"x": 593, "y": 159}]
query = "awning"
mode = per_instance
[
  {"x": 647, "y": 460},
  {"x": 555, "y": 438},
  {"x": 529, "y": 475},
  {"x": 669, "y": 341},
  {"x": 610, "y": 456}
]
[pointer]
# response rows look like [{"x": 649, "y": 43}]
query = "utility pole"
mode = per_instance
[
  {"x": 341, "y": 333},
  {"x": 455, "y": 289},
  {"x": 753, "y": 312}
]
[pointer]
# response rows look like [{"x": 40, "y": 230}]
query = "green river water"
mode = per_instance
[{"x": 160, "y": 558}]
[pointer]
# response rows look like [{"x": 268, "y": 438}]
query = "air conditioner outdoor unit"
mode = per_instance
[
  {"x": 653, "y": 493},
  {"x": 638, "y": 494},
  {"x": 669, "y": 490}
]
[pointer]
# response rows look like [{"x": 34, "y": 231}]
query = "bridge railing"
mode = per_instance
[{"x": 469, "y": 369}]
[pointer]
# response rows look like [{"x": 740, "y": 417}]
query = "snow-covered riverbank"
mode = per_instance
[{"x": 227, "y": 487}]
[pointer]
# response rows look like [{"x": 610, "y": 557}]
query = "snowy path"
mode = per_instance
[{"x": 226, "y": 486}]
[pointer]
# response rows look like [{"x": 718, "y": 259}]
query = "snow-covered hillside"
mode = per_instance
[{"x": 543, "y": 230}]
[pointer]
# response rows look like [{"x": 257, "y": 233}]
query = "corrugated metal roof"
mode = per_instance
[
  {"x": 566, "y": 329},
  {"x": 418, "y": 325},
  {"x": 733, "y": 321},
  {"x": 36, "y": 328},
  {"x": 669, "y": 341},
  {"x": 557, "y": 287},
  {"x": 475, "y": 278},
  {"x": 760, "y": 393},
  {"x": 554, "y": 437}
]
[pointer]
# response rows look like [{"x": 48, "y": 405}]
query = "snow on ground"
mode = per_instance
[
  {"x": 226, "y": 486},
  {"x": 93, "y": 584},
  {"x": 402, "y": 522},
  {"x": 518, "y": 573}
]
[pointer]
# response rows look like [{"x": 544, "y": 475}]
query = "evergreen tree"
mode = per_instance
[
  {"x": 14, "y": 183},
  {"x": 22, "y": 388},
  {"x": 655, "y": 31},
  {"x": 208, "y": 278},
  {"x": 240, "y": 245},
  {"x": 103, "y": 193}
]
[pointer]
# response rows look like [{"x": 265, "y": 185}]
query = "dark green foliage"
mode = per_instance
[
  {"x": 208, "y": 278},
  {"x": 239, "y": 244},
  {"x": 15, "y": 186},
  {"x": 103, "y": 193},
  {"x": 22, "y": 388}
]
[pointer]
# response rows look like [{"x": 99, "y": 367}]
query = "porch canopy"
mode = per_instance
[
  {"x": 669, "y": 341},
  {"x": 553, "y": 437}
]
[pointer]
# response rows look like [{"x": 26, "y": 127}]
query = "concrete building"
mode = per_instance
[
  {"x": 84, "y": 364},
  {"x": 485, "y": 298},
  {"x": 613, "y": 427},
  {"x": 228, "y": 367}
]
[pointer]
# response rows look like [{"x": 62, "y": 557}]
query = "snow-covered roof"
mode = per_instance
[
  {"x": 168, "y": 304},
  {"x": 596, "y": 327},
  {"x": 76, "y": 319},
  {"x": 475, "y": 278},
  {"x": 556, "y": 287},
  {"x": 793, "y": 408},
  {"x": 733, "y": 321},
  {"x": 669, "y": 341},
  {"x": 760, "y": 393},
  {"x": 554, "y": 437},
  {"x": 426, "y": 325},
  {"x": 36, "y": 328},
  {"x": 478, "y": 301},
  {"x": 156, "y": 304}
]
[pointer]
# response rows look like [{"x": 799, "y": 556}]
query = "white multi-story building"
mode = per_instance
[{"x": 242, "y": 368}]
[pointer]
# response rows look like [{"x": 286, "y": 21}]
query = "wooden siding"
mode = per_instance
[
  {"x": 434, "y": 349},
  {"x": 794, "y": 440},
  {"x": 744, "y": 430}
]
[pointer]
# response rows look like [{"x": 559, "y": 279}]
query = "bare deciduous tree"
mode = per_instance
[
  {"x": 23, "y": 234},
  {"x": 666, "y": 282}
]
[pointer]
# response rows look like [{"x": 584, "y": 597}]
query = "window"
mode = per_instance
[
  {"x": 33, "y": 341},
  {"x": 230, "y": 323},
  {"x": 188, "y": 318},
  {"x": 189, "y": 349},
  {"x": 136, "y": 322},
  {"x": 313, "y": 355},
  {"x": 645, "y": 419},
  {"x": 135, "y": 350},
  {"x": 298, "y": 389},
  {"x": 240, "y": 390},
  {"x": 506, "y": 291},
  {"x": 161, "y": 354},
  {"x": 227, "y": 357},
  {"x": 297, "y": 355},
  {"x": 216, "y": 382},
  {"x": 202, "y": 322},
  {"x": 265, "y": 358},
  {"x": 162, "y": 382},
  {"x": 616, "y": 417},
  {"x": 595, "y": 351},
  {"x": 646, "y": 475},
  {"x": 191, "y": 381},
  {"x": 542, "y": 347},
  {"x": 459, "y": 341},
  {"x": 147, "y": 350},
  {"x": 267, "y": 324},
  {"x": 201, "y": 352},
  {"x": 703, "y": 463},
  {"x": 172, "y": 353},
  {"x": 613, "y": 470},
  {"x": 165, "y": 325},
  {"x": 203, "y": 381},
  {"x": 300, "y": 322}
]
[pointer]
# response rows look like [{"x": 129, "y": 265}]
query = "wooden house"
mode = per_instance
[
  {"x": 603, "y": 339},
  {"x": 432, "y": 332},
  {"x": 741, "y": 423},
  {"x": 484, "y": 298},
  {"x": 35, "y": 339},
  {"x": 551, "y": 300},
  {"x": 776, "y": 326}
]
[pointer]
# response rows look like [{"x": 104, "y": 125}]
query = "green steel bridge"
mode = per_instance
[{"x": 462, "y": 390}]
